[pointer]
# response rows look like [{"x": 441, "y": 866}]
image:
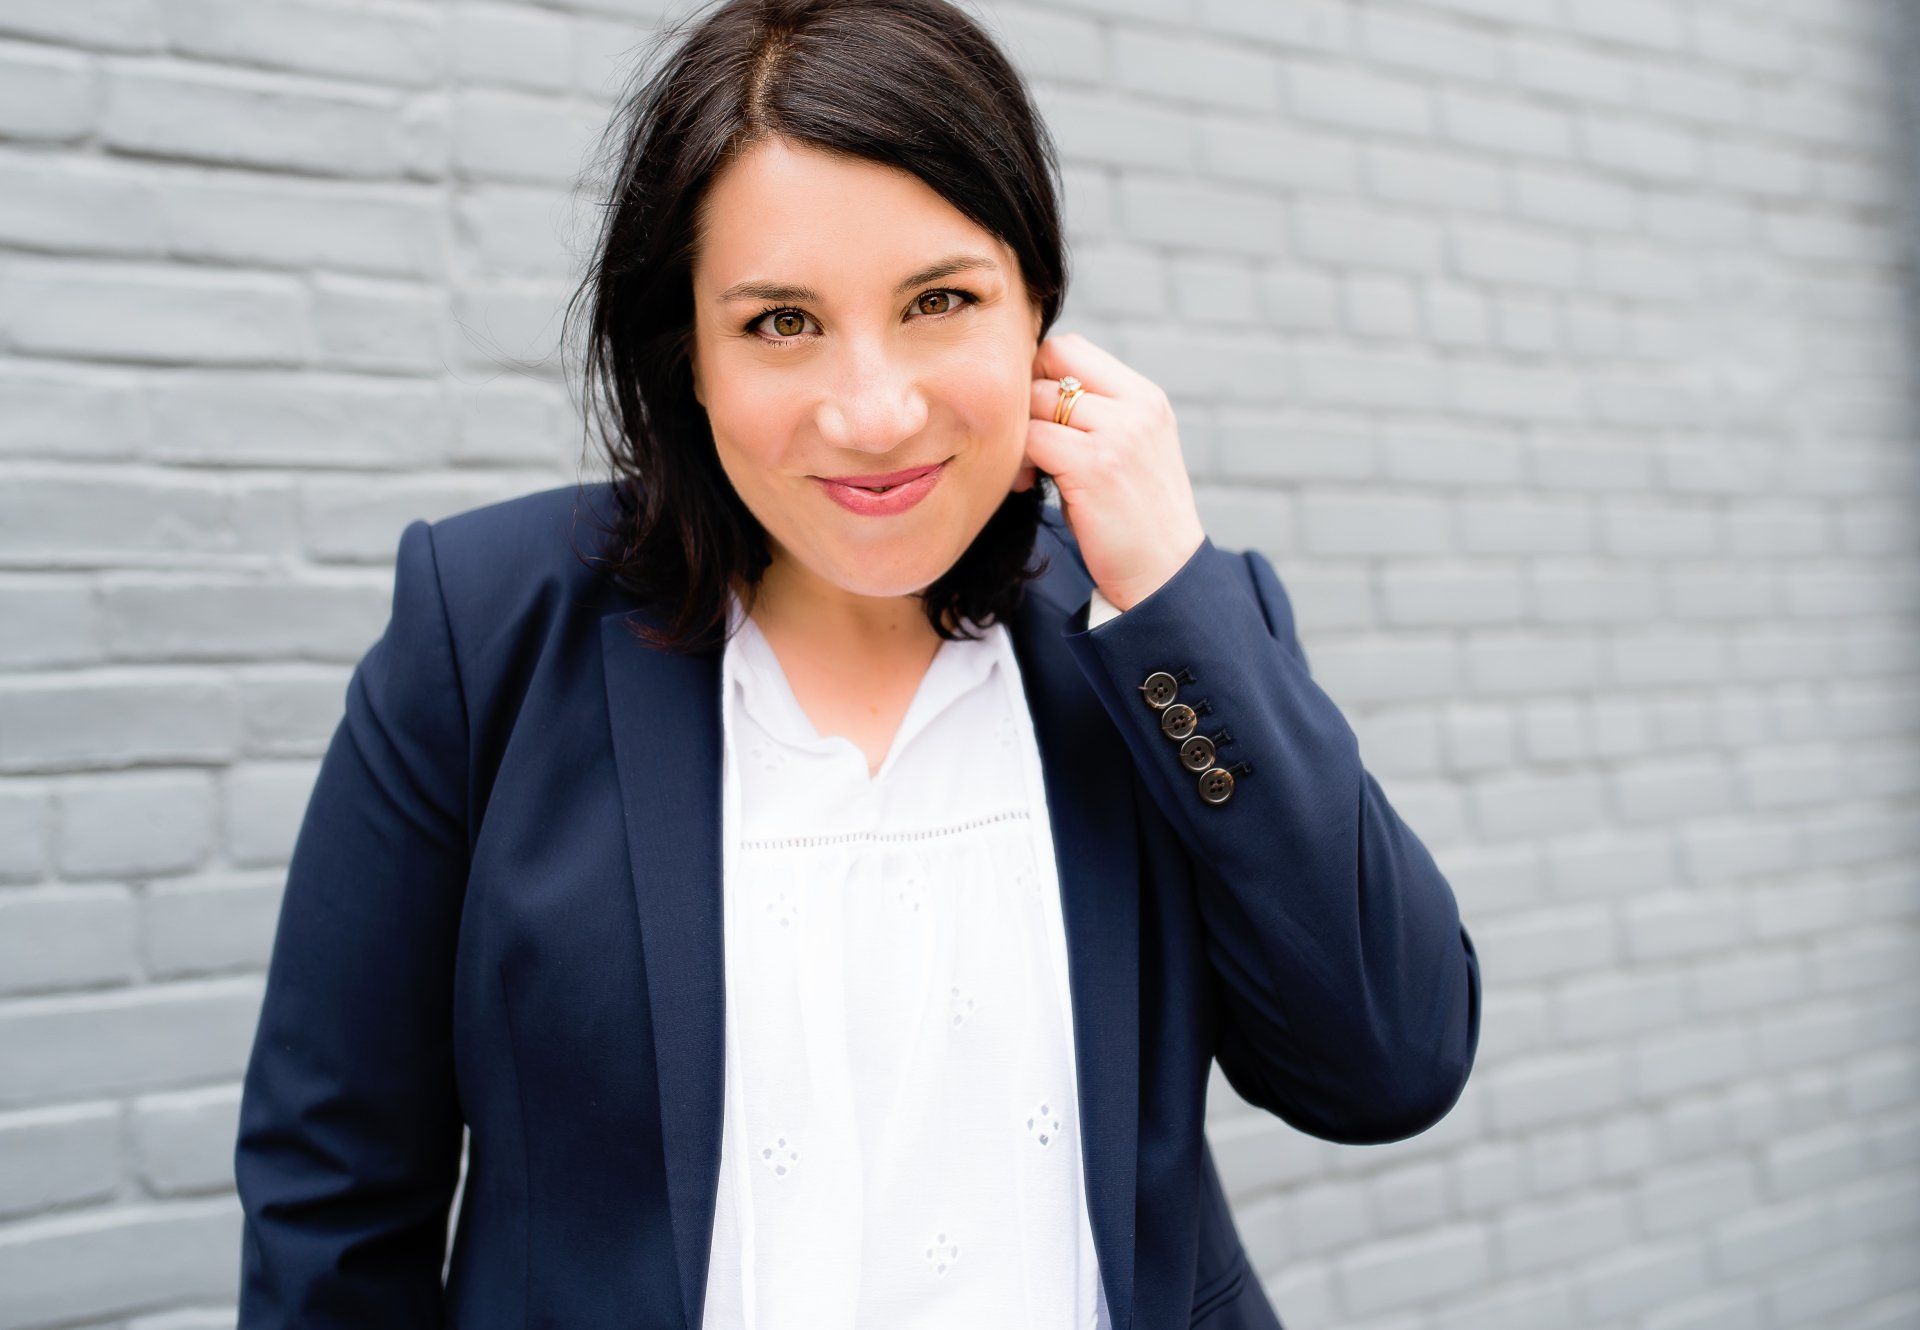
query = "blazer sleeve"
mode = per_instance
[
  {"x": 1349, "y": 989},
  {"x": 349, "y": 1127}
]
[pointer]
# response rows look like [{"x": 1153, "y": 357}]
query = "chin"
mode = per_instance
[{"x": 871, "y": 573}]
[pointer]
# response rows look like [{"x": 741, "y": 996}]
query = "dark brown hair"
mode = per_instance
[{"x": 913, "y": 84}]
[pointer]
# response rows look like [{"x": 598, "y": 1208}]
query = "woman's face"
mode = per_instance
[{"x": 875, "y": 354}]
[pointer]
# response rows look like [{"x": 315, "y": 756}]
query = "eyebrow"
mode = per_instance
[{"x": 933, "y": 272}]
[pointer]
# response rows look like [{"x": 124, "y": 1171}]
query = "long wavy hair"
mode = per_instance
[{"x": 913, "y": 84}]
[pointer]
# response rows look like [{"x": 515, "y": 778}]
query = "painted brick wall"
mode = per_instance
[{"x": 1557, "y": 351}]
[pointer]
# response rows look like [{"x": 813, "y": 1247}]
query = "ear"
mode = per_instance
[{"x": 693, "y": 369}]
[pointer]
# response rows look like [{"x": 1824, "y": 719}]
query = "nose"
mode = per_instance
[{"x": 873, "y": 402}]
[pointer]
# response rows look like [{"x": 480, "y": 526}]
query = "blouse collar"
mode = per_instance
[{"x": 749, "y": 660}]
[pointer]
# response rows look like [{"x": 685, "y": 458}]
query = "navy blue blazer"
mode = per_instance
[{"x": 503, "y": 911}]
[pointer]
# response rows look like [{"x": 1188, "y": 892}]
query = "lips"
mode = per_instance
[
  {"x": 864, "y": 494},
  {"x": 882, "y": 480}
]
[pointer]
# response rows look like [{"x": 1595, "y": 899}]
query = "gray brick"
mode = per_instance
[
  {"x": 500, "y": 135},
  {"x": 1559, "y": 68},
  {"x": 58, "y": 1157},
  {"x": 75, "y": 208},
  {"x": 1444, "y": 179},
  {"x": 319, "y": 421},
  {"x": 1175, "y": 213},
  {"x": 1607, "y": 1007},
  {"x": 1747, "y": 39},
  {"x": 134, "y": 1258},
  {"x": 1108, "y": 129},
  {"x": 75, "y": 413},
  {"x": 46, "y": 95},
  {"x": 1505, "y": 123},
  {"x": 1398, "y": 1272},
  {"x": 1381, "y": 306},
  {"x": 394, "y": 230},
  {"x": 1443, "y": 47},
  {"x": 1555, "y": 1233},
  {"x": 121, "y": 25},
  {"x": 126, "y": 1040},
  {"x": 251, "y": 118},
  {"x": 182, "y": 1142},
  {"x": 153, "y": 314},
  {"x": 1441, "y": 599},
  {"x": 1357, "y": 99},
  {"x": 364, "y": 325},
  {"x": 1575, "y": 200},
  {"x": 24, "y": 851},
  {"x": 66, "y": 937},
  {"x": 133, "y": 824},
  {"x": 195, "y": 926},
  {"x": 1314, "y": 25},
  {"x": 1640, "y": 148},
  {"x": 512, "y": 45},
  {"x": 1197, "y": 71},
  {"x": 110, "y": 717},
  {"x": 1367, "y": 238},
  {"x": 1266, "y": 153},
  {"x": 1456, "y": 315},
  {"x": 1710, "y": 97},
  {"x": 1521, "y": 256}
]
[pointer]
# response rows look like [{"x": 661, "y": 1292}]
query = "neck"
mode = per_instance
[{"x": 795, "y": 605}]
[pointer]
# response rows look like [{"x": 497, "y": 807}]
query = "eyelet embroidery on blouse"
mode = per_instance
[
  {"x": 766, "y": 756},
  {"x": 882, "y": 837},
  {"x": 910, "y": 892},
  {"x": 783, "y": 910},
  {"x": 942, "y": 1254},
  {"x": 963, "y": 1005},
  {"x": 1024, "y": 879},
  {"x": 780, "y": 1157},
  {"x": 1044, "y": 1126}
]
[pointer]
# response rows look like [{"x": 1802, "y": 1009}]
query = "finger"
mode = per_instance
[
  {"x": 1098, "y": 369},
  {"x": 1055, "y": 449},
  {"x": 1091, "y": 410}
]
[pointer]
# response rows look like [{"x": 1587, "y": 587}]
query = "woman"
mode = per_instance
[{"x": 824, "y": 912}]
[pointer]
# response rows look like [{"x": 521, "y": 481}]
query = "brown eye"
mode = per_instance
[
  {"x": 787, "y": 323},
  {"x": 935, "y": 295}
]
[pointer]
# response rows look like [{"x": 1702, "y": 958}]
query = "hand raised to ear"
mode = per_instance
[{"x": 1124, "y": 488}]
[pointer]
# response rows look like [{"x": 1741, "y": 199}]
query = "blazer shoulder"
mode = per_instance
[
  {"x": 548, "y": 536},
  {"x": 514, "y": 571}
]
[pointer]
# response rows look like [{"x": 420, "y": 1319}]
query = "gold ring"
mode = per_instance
[{"x": 1070, "y": 391}]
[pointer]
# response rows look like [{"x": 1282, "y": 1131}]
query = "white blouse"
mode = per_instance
[{"x": 901, "y": 1144}]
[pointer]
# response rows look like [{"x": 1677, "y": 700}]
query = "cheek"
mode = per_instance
[
  {"x": 750, "y": 425},
  {"x": 992, "y": 395}
]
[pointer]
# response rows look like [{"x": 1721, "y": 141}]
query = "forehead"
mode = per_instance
[{"x": 785, "y": 212}]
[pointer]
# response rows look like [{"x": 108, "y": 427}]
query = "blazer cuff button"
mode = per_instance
[
  {"x": 1178, "y": 720},
  {"x": 1216, "y": 785},
  {"x": 1159, "y": 689},
  {"x": 1197, "y": 753}
]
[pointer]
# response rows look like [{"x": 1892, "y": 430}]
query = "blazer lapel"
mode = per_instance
[{"x": 664, "y": 709}]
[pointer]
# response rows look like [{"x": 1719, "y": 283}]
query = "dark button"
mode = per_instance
[
  {"x": 1159, "y": 689},
  {"x": 1178, "y": 720},
  {"x": 1216, "y": 785},
  {"x": 1196, "y": 754}
]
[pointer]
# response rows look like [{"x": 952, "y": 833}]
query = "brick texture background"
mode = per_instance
[{"x": 1559, "y": 353}]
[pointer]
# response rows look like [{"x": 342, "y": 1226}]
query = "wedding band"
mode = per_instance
[{"x": 1070, "y": 391}]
